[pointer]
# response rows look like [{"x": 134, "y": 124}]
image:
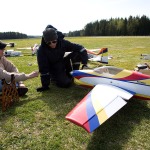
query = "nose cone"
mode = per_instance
[
  {"x": 75, "y": 73},
  {"x": 71, "y": 73}
]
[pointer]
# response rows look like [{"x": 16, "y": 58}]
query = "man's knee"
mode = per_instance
[{"x": 65, "y": 83}]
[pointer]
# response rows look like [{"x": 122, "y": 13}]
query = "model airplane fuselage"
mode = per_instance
[
  {"x": 125, "y": 79},
  {"x": 145, "y": 56},
  {"x": 112, "y": 88},
  {"x": 101, "y": 55},
  {"x": 11, "y": 53},
  {"x": 32, "y": 48}
]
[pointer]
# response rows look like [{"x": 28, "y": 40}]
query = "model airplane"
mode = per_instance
[
  {"x": 100, "y": 56},
  {"x": 113, "y": 87},
  {"x": 11, "y": 52},
  {"x": 33, "y": 49},
  {"x": 11, "y": 44},
  {"x": 143, "y": 68},
  {"x": 145, "y": 56}
]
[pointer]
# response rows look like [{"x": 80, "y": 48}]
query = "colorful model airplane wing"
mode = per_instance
[{"x": 98, "y": 105}]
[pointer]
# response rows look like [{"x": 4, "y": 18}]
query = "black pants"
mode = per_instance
[
  {"x": 60, "y": 72},
  {"x": 72, "y": 62}
]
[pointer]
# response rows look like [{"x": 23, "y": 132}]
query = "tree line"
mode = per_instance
[
  {"x": 12, "y": 35},
  {"x": 132, "y": 26}
]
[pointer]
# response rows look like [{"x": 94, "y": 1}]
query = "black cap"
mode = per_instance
[
  {"x": 50, "y": 34},
  {"x": 2, "y": 45}
]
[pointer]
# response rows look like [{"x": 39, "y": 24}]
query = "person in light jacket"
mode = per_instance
[{"x": 7, "y": 68}]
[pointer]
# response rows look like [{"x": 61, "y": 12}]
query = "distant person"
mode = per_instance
[
  {"x": 7, "y": 69},
  {"x": 52, "y": 62}
]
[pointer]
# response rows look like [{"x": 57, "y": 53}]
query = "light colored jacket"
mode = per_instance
[{"x": 7, "y": 69}]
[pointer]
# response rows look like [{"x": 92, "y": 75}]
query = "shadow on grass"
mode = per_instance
[
  {"x": 116, "y": 131},
  {"x": 60, "y": 100},
  {"x": 113, "y": 134}
]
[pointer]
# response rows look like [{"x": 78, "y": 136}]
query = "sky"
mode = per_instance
[{"x": 32, "y": 16}]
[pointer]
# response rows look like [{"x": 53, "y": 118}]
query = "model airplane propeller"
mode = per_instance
[{"x": 112, "y": 88}]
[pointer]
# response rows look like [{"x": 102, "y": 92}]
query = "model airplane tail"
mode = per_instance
[
  {"x": 97, "y": 106},
  {"x": 100, "y": 56}
]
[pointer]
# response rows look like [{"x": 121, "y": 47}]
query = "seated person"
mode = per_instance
[{"x": 7, "y": 69}]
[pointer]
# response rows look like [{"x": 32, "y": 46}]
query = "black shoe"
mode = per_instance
[
  {"x": 22, "y": 91},
  {"x": 41, "y": 89}
]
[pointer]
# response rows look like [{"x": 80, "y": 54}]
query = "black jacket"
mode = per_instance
[{"x": 52, "y": 60}]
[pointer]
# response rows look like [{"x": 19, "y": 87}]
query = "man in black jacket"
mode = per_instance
[{"x": 52, "y": 62}]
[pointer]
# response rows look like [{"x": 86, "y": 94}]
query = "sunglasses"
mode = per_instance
[{"x": 55, "y": 41}]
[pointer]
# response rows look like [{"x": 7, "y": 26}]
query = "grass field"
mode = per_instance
[{"x": 37, "y": 121}]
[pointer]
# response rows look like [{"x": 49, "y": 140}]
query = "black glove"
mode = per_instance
[
  {"x": 41, "y": 89},
  {"x": 84, "y": 66}
]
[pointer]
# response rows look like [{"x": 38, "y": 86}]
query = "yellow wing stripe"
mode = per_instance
[
  {"x": 146, "y": 81},
  {"x": 99, "y": 106},
  {"x": 102, "y": 116},
  {"x": 78, "y": 82},
  {"x": 123, "y": 74}
]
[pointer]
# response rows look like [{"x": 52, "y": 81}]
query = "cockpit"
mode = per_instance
[{"x": 108, "y": 70}]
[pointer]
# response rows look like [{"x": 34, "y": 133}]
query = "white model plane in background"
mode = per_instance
[
  {"x": 11, "y": 52},
  {"x": 98, "y": 55},
  {"x": 33, "y": 49},
  {"x": 11, "y": 44},
  {"x": 145, "y": 56},
  {"x": 143, "y": 68}
]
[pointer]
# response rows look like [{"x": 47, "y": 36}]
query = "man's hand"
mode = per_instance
[
  {"x": 33, "y": 74},
  {"x": 41, "y": 89},
  {"x": 84, "y": 66}
]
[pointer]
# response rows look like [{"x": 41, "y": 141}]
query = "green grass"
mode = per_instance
[{"x": 37, "y": 121}]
